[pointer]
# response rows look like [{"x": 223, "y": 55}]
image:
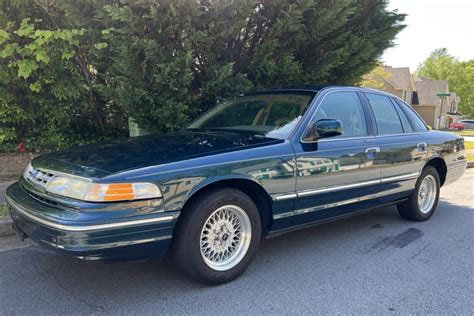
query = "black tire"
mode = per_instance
[
  {"x": 186, "y": 245},
  {"x": 410, "y": 209}
]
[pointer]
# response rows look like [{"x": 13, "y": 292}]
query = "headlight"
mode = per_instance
[{"x": 84, "y": 189}]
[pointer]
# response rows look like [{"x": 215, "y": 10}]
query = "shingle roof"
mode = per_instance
[
  {"x": 400, "y": 77},
  {"x": 428, "y": 88}
]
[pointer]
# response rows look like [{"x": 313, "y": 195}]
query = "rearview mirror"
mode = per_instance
[{"x": 323, "y": 129}]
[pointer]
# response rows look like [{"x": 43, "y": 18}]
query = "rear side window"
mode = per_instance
[
  {"x": 416, "y": 121},
  {"x": 386, "y": 116}
]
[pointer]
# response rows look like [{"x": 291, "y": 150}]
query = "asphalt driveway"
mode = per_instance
[{"x": 375, "y": 263}]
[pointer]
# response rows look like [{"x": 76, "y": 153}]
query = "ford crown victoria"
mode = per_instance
[{"x": 257, "y": 165}]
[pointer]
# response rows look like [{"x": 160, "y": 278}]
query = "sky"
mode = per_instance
[{"x": 432, "y": 24}]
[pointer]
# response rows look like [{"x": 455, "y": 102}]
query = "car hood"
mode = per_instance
[{"x": 101, "y": 159}]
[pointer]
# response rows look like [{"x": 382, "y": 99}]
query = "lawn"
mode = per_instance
[
  {"x": 469, "y": 149},
  {"x": 464, "y": 133},
  {"x": 3, "y": 210}
]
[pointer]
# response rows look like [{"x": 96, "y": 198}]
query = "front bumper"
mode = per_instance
[{"x": 105, "y": 232}]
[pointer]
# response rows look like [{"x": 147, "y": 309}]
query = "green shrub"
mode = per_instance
[{"x": 72, "y": 71}]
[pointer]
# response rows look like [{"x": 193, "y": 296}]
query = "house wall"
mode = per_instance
[
  {"x": 390, "y": 89},
  {"x": 408, "y": 96},
  {"x": 428, "y": 113}
]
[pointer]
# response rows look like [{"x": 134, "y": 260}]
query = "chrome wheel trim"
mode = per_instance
[
  {"x": 225, "y": 237},
  {"x": 427, "y": 194}
]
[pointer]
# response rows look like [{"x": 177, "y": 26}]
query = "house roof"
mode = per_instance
[
  {"x": 400, "y": 77},
  {"x": 427, "y": 90}
]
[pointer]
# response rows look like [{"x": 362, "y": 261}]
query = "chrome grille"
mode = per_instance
[{"x": 37, "y": 176}]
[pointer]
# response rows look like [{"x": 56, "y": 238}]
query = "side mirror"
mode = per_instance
[{"x": 323, "y": 129}]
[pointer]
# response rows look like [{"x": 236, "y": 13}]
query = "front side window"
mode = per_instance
[
  {"x": 272, "y": 115},
  {"x": 386, "y": 116},
  {"x": 346, "y": 107}
]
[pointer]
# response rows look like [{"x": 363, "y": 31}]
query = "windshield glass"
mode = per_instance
[{"x": 271, "y": 115}]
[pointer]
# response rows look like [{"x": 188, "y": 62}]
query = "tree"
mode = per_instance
[
  {"x": 440, "y": 65},
  {"x": 376, "y": 78},
  {"x": 164, "y": 62}
]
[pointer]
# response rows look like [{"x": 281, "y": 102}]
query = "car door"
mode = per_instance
[
  {"x": 334, "y": 173},
  {"x": 403, "y": 151}
]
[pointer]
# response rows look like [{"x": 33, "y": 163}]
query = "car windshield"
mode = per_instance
[{"x": 271, "y": 115}]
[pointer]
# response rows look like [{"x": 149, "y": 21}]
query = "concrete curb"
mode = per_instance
[{"x": 6, "y": 227}]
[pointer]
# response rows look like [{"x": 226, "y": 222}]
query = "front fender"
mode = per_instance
[{"x": 177, "y": 192}]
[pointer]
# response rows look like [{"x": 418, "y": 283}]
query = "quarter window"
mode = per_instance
[
  {"x": 405, "y": 122},
  {"x": 386, "y": 116},
  {"x": 418, "y": 124},
  {"x": 346, "y": 107}
]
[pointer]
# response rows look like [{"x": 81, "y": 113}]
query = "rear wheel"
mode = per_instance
[
  {"x": 422, "y": 203},
  {"x": 217, "y": 236}
]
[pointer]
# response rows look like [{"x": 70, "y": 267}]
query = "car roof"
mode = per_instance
[
  {"x": 290, "y": 88},
  {"x": 316, "y": 89}
]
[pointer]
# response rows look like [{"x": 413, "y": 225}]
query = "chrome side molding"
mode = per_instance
[{"x": 304, "y": 193}]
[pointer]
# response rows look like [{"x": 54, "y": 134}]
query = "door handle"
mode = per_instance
[
  {"x": 372, "y": 150},
  {"x": 421, "y": 146}
]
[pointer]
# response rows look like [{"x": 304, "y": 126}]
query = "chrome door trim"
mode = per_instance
[
  {"x": 283, "y": 215},
  {"x": 298, "y": 194},
  {"x": 337, "y": 188},
  {"x": 285, "y": 196},
  {"x": 341, "y": 203},
  {"x": 412, "y": 175}
]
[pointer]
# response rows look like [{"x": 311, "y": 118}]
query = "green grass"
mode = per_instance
[
  {"x": 464, "y": 133},
  {"x": 469, "y": 145},
  {"x": 3, "y": 210}
]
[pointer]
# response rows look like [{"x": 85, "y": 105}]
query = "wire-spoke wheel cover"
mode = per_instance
[
  {"x": 427, "y": 194},
  {"x": 225, "y": 237}
]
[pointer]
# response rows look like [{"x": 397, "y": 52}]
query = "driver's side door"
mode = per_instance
[{"x": 336, "y": 175}]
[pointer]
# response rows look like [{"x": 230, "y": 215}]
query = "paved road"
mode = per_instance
[{"x": 375, "y": 263}]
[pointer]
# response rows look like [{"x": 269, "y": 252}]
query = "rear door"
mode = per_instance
[
  {"x": 403, "y": 150},
  {"x": 335, "y": 173}
]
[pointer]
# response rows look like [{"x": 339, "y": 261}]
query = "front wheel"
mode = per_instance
[
  {"x": 422, "y": 203},
  {"x": 218, "y": 236}
]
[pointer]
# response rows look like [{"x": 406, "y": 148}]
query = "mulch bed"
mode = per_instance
[{"x": 12, "y": 166}]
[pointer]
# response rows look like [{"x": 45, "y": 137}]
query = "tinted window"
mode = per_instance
[
  {"x": 386, "y": 116},
  {"x": 346, "y": 107},
  {"x": 405, "y": 122},
  {"x": 243, "y": 114},
  {"x": 416, "y": 121},
  {"x": 273, "y": 115}
]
